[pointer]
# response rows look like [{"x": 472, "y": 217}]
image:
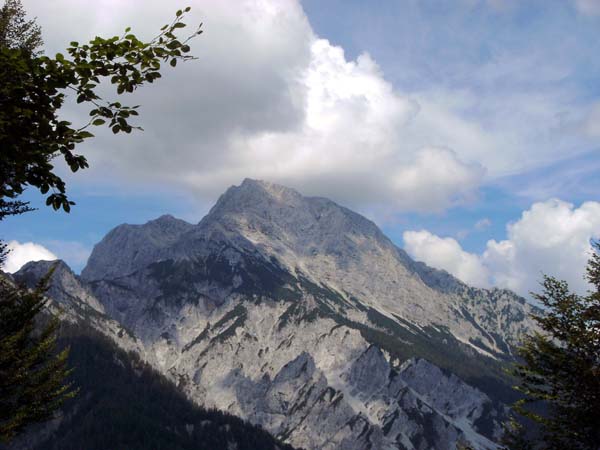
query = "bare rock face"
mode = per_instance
[
  {"x": 301, "y": 316},
  {"x": 128, "y": 248},
  {"x": 65, "y": 287},
  {"x": 72, "y": 300}
]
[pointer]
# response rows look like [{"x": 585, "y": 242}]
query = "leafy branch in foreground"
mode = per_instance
[{"x": 33, "y": 89}]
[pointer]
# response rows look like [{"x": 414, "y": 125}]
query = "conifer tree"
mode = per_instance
[
  {"x": 32, "y": 370},
  {"x": 560, "y": 365}
]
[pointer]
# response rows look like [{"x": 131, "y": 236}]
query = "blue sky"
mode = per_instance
[{"x": 469, "y": 130}]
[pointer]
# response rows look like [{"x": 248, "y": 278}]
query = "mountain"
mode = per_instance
[
  {"x": 300, "y": 316},
  {"x": 123, "y": 402}
]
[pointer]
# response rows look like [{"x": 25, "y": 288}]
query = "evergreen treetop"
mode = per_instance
[{"x": 560, "y": 365}]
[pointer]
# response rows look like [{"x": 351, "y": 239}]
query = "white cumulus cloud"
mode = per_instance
[
  {"x": 270, "y": 99},
  {"x": 22, "y": 253},
  {"x": 552, "y": 237},
  {"x": 447, "y": 254},
  {"x": 436, "y": 179}
]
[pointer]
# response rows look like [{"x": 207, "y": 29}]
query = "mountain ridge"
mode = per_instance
[
  {"x": 299, "y": 315},
  {"x": 325, "y": 243}
]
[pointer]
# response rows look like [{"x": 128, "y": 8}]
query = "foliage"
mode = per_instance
[
  {"x": 32, "y": 372},
  {"x": 34, "y": 88},
  {"x": 4, "y": 250},
  {"x": 18, "y": 32},
  {"x": 561, "y": 365}
]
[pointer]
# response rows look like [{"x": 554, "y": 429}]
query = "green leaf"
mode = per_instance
[{"x": 124, "y": 60}]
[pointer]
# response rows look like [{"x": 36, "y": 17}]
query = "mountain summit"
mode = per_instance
[
  {"x": 301, "y": 316},
  {"x": 314, "y": 239},
  {"x": 129, "y": 247}
]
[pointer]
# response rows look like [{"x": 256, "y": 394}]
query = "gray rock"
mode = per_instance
[{"x": 300, "y": 315}]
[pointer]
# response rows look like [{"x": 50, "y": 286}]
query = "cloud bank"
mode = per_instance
[
  {"x": 551, "y": 237},
  {"x": 22, "y": 253},
  {"x": 268, "y": 98},
  {"x": 447, "y": 254}
]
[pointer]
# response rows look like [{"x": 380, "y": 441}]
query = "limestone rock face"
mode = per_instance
[
  {"x": 300, "y": 315},
  {"x": 72, "y": 300},
  {"x": 130, "y": 247},
  {"x": 65, "y": 287}
]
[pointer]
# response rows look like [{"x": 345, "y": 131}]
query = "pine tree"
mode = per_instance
[
  {"x": 561, "y": 365},
  {"x": 32, "y": 371}
]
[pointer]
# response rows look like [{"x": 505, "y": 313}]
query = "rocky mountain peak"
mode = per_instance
[
  {"x": 167, "y": 221},
  {"x": 38, "y": 269},
  {"x": 64, "y": 285},
  {"x": 262, "y": 234},
  {"x": 128, "y": 248},
  {"x": 256, "y": 215},
  {"x": 288, "y": 225},
  {"x": 33, "y": 271},
  {"x": 257, "y": 198}
]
